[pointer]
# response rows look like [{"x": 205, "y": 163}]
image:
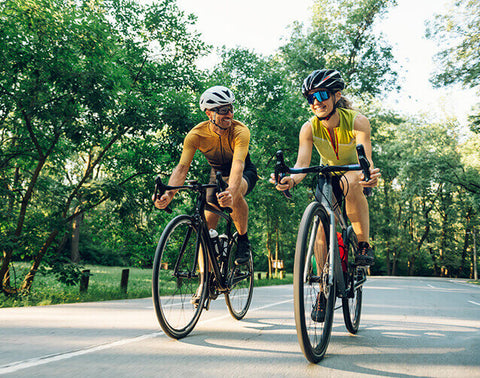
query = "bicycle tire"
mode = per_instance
[
  {"x": 240, "y": 293},
  {"x": 352, "y": 305},
  {"x": 176, "y": 277},
  {"x": 312, "y": 336}
]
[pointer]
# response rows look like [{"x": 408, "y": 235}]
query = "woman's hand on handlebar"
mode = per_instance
[
  {"x": 163, "y": 201},
  {"x": 285, "y": 183},
  {"x": 374, "y": 176}
]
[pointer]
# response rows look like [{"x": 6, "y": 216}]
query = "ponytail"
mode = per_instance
[{"x": 344, "y": 103}]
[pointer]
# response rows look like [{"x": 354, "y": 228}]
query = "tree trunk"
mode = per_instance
[
  {"x": 76, "y": 225},
  {"x": 387, "y": 259},
  {"x": 466, "y": 241},
  {"x": 394, "y": 264},
  {"x": 5, "y": 277},
  {"x": 269, "y": 256},
  {"x": 434, "y": 261},
  {"x": 411, "y": 265},
  {"x": 7, "y": 252},
  {"x": 277, "y": 247},
  {"x": 27, "y": 282}
]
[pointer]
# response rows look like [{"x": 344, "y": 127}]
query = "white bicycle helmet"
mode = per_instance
[{"x": 216, "y": 96}]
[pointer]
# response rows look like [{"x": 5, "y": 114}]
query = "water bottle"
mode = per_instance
[{"x": 214, "y": 237}]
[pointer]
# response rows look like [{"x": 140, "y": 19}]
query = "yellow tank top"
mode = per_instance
[{"x": 339, "y": 148}]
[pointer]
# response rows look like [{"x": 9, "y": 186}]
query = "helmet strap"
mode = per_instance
[
  {"x": 213, "y": 121},
  {"x": 329, "y": 114}
]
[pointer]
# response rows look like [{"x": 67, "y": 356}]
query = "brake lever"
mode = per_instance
[
  {"x": 160, "y": 189},
  {"x": 221, "y": 186},
  {"x": 280, "y": 172},
  {"x": 365, "y": 164}
]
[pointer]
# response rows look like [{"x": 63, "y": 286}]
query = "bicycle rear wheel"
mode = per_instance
[
  {"x": 352, "y": 305},
  {"x": 240, "y": 282},
  {"x": 309, "y": 282},
  {"x": 179, "y": 286}
]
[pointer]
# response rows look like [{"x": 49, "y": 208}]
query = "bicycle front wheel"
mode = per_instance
[
  {"x": 352, "y": 305},
  {"x": 240, "y": 283},
  {"x": 179, "y": 283},
  {"x": 311, "y": 282}
]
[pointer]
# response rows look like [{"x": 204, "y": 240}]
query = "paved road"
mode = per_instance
[{"x": 411, "y": 327}]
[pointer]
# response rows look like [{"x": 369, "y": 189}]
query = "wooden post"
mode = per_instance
[
  {"x": 84, "y": 278},
  {"x": 124, "y": 281}
]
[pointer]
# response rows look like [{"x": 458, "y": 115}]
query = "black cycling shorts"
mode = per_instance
[{"x": 336, "y": 185}]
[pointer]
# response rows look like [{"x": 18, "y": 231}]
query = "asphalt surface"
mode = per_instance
[{"x": 410, "y": 327}]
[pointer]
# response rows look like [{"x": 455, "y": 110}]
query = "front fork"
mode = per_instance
[
  {"x": 335, "y": 271},
  {"x": 334, "y": 264}
]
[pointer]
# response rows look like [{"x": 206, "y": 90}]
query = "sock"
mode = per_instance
[
  {"x": 362, "y": 245},
  {"x": 243, "y": 237}
]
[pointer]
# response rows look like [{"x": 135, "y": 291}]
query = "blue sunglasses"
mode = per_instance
[{"x": 320, "y": 96}]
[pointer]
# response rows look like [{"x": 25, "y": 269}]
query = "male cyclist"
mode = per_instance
[
  {"x": 335, "y": 130},
  {"x": 224, "y": 142}
]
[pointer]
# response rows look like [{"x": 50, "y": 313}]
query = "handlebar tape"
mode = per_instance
[
  {"x": 365, "y": 164},
  {"x": 160, "y": 190},
  {"x": 221, "y": 186},
  {"x": 279, "y": 172}
]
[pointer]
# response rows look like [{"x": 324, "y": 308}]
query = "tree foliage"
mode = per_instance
[
  {"x": 341, "y": 37},
  {"x": 97, "y": 96},
  {"x": 459, "y": 59},
  {"x": 458, "y": 62},
  {"x": 77, "y": 80}
]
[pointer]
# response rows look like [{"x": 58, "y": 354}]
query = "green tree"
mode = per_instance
[
  {"x": 385, "y": 206},
  {"x": 459, "y": 59},
  {"x": 421, "y": 213},
  {"x": 76, "y": 80},
  {"x": 271, "y": 103},
  {"x": 273, "y": 110},
  {"x": 342, "y": 37}
]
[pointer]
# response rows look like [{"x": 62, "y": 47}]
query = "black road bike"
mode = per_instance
[
  {"x": 191, "y": 268},
  {"x": 320, "y": 221}
]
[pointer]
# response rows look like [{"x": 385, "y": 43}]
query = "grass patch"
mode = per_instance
[{"x": 104, "y": 285}]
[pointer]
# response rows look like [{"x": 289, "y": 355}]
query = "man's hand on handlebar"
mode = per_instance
[
  {"x": 225, "y": 198},
  {"x": 374, "y": 176},
  {"x": 163, "y": 201}
]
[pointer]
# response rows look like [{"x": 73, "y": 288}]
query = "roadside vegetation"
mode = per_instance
[
  {"x": 104, "y": 285},
  {"x": 97, "y": 96}
]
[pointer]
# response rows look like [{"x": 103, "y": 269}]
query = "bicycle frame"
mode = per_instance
[
  {"x": 200, "y": 221},
  {"x": 334, "y": 214},
  {"x": 327, "y": 197},
  {"x": 318, "y": 283},
  {"x": 220, "y": 277}
]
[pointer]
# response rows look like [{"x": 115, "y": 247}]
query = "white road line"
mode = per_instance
[
  {"x": 15, "y": 366},
  {"x": 20, "y": 365},
  {"x": 475, "y": 303},
  {"x": 469, "y": 284},
  {"x": 431, "y": 286}
]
